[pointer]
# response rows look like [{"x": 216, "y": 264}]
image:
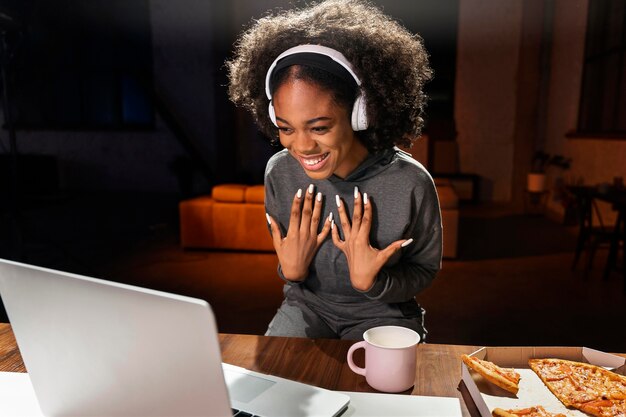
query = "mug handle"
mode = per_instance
[{"x": 351, "y": 364}]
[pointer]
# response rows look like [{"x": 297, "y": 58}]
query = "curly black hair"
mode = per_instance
[{"x": 391, "y": 63}]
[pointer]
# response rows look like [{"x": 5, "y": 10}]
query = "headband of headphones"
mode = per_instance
[
  {"x": 312, "y": 60},
  {"x": 305, "y": 54}
]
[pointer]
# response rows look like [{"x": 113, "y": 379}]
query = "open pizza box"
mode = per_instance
[{"x": 532, "y": 390}]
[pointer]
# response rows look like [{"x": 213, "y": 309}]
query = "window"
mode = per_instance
[{"x": 603, "y": 93}]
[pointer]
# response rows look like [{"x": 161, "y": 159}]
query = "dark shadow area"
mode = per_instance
[
  {"x": 512, "y": 236},
  {"x": 84, "y": 232}
]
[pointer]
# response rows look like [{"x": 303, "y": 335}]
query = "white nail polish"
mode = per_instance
[
  {"x": 356, "y": 192},
  {"x": 364, "y": 198},
  {"x": 406, "y": 243},
  {"x": 330, "y": 217},
  {"x": 299, "y": 193},
  {"x": 311, "y": 187},
  {"x": 338, "y": 200},
  {"x": 269, "y": 219},
  {"x": 332, "y": 224},
  {"x": 319, "y": 197}
]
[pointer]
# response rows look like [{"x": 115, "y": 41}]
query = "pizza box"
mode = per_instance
[{"x": 532, "y": 390}]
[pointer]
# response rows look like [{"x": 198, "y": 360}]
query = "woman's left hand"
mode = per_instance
[{"x": 364, "y": 260}]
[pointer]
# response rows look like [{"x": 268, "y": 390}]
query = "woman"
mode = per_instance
[{"x": 339, "y": 84}]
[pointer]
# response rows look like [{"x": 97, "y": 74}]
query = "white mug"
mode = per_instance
[{"x": 390, "y": 356}]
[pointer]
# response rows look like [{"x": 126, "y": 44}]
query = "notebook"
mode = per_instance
[{"x": 95, "y": 347}]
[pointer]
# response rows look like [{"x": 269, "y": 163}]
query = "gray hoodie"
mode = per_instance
[{"x": 405, "y": 205}]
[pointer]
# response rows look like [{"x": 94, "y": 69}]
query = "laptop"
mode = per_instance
[{"x": 99, "y": 348}]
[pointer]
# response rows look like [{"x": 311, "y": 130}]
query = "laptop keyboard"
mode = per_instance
[{"x": 239, "y": 413}]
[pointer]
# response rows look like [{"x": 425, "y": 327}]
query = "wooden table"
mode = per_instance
[{"x": 320, "y": 362}]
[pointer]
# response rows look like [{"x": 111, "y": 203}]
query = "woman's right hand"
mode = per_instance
[{"x": 296, "y": 250}]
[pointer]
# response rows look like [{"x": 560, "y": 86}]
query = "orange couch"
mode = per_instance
[{"x": 233, "y": 217}]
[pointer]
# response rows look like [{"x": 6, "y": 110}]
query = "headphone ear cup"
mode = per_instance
[
  {"x": 359, "y": 114},
  {"x": 272, "y": 113}
]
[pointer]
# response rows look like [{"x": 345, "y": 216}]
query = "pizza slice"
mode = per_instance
[
  {"x": 605, "y": 408},
  {"x": 536, "y": 411},
  {"x": 592, "y": 389},
  {"x": 505, "y": 378}
]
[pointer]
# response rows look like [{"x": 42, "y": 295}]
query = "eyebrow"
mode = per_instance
[{"x": 308, "y": 122}]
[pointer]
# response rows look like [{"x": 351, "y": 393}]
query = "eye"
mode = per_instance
[
  {"x": 285, "y": 130},
  {"x": 320, "y": 129}
]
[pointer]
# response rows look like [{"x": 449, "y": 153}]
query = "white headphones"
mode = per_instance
[{"x": 359, "y": 109}]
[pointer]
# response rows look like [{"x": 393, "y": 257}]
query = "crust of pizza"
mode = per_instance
[
  {"x": 592, "y": 389},
  {"x": 499, "y": 412},
  {"x": 536, "y": 411},
  {"x": 504, "y": 378}
]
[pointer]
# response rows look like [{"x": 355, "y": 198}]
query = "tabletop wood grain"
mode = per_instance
[{"x": 10, "y": 358}]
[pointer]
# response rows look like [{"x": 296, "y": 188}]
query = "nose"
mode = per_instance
[{"x": 304, "y": 144}]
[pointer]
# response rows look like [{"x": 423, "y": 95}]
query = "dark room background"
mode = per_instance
[
  {"x": 131, "y": 95},
  {"x": 114, "y": 111}
]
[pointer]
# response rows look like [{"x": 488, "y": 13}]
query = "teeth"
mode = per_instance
[{"x": 314, "y": 161}]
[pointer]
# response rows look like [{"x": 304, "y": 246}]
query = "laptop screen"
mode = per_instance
[{"x": 94, "y": 347}]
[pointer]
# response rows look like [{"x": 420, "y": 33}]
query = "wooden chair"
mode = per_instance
[
  {"x": 617, "y": 242},
  {"x": 591, "y": 235}
]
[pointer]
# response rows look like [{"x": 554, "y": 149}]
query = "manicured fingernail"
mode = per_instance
[
  {"x": 311, "y": 189},
  {"x": 269, "y": 219},
  {"x": 364, "y": 198},
  {"x": 299, "y": 193},
  {"x": 338, "y": 200},
  {"x": 406, "y": 242},
  {"x": 319, "y": 197},
  {"x": 356, "y": 192},
  {"x": 330, "y": 217},
  {"x": 332, "y": 224}
]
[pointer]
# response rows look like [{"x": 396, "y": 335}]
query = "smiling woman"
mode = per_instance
[{"x": 339, "y": 84}]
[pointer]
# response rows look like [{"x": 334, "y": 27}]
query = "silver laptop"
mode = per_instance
[{"x": 99, "y": 348}]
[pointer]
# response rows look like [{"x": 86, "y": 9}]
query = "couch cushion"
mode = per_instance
[
  {"x": 240, "y": 227},
  {"x": 255, "y": 194},
  {"x": 234, "y": 193}
]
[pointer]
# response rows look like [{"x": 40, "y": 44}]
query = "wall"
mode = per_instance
[
  {"x": 485, "y": 101},
  {"x": 594, "y": 160},
  {"x": 123, "y": 161},
  {"x": 182, "y": 35},
  {"x": 140, "y": 161}
]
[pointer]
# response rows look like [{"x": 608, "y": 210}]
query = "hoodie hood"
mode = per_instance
[{"x": 371, "y": 166}]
